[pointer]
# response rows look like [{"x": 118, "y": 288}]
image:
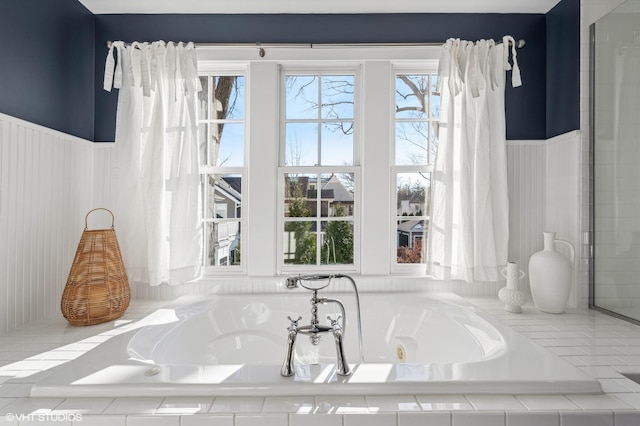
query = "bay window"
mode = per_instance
[{"x": 323, "y": 164}]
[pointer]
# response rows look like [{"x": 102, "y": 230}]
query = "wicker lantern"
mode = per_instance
[{"x": 97, "y": 289}]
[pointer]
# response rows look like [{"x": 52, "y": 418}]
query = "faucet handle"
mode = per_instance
[
  {"x": 294, "y": 322},
  {"x": 334, "y": 322}
]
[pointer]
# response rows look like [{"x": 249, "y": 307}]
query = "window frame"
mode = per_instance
[
  {"x": 212, "y": 69},
  {"x": 318, "y": 69},
  {"x": 430, "y": 69}
]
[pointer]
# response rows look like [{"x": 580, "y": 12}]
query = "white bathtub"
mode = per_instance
[{"x": 414, "y": 343}]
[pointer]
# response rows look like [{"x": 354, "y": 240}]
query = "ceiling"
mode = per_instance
[{"x": 319, "y": 6}]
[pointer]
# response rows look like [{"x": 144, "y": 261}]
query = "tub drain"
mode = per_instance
[
  {"x": 401, "y": 353},
  {"x": 152, "y": 371}
]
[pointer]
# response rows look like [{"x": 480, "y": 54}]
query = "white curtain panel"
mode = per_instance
[
  {"x": 157, "y": 182},
  {"x": 469, "y": 225}
]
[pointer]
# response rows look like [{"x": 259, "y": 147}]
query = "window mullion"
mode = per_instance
[
  {"x": 319, "y": 122},
  {"x": 318, "y": 218}
]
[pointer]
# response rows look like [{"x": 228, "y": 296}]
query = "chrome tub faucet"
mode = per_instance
[{"x": 315, "y": 329}]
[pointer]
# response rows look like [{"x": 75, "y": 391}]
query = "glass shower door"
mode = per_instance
[{"x": 615, "y": 146}]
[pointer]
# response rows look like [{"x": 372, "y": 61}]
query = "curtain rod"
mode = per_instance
[{"x": 519, "y": 44}]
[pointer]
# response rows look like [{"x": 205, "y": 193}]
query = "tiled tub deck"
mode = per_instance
[{"x": 598, "y": 344}]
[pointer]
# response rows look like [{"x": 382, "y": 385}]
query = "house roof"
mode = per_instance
[
  {"x": 411, "y": 226},
  {"x": 226, "y": 186},
  {"x": 340, "y": 193},
  {"x": 234, "y": 182}
]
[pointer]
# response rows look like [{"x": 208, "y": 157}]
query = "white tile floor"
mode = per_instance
[{"x": 602, "y": 346}]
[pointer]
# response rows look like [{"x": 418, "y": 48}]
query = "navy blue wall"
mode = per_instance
[
  {"x": 526, "y": 106},
  {"x": 563, "y": 68},
  {"x": 53, "y": 56},
  {"x": 47, "y": 66}
]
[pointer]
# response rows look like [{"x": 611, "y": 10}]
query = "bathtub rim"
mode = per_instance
[{"x": 581, "y": 383}]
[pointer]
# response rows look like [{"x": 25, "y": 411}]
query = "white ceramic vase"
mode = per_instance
[
  {"x": 511, "y": 295},
  {"x": 550, "y": 275}
]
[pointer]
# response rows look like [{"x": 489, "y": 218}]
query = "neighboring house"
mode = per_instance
[
  {"x": 335, "y": 201},
  {"x": 224, "y": 235},
  {"x": 341, "y": 197},
  {"x": 411, "y": 233},
  {"x": 411, "y": 204},
  {"x": 333, "y": 195}
]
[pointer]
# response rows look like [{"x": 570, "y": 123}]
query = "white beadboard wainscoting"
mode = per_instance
[
  {"x": 49, "y": 181},
  {"x": 526, "y": 168},
  {"x": 46, "y": 188},
  {"x": 544, "y": 195}
]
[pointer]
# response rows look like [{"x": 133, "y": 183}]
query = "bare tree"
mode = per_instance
[
  {"x": 335, "y": 91},
  {"x": 225, "y": 97},
  {"x": 418, "y": 91},
  {"x": 418, "y": 95}
]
